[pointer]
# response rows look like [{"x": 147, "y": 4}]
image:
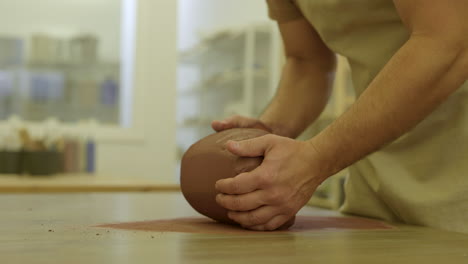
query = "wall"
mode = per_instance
[
  {"x": 65, "y": 18},
  {"x": 154, "y": 100}
]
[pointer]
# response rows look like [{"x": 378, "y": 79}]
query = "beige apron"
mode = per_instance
[{"x": 421, "y": 178}]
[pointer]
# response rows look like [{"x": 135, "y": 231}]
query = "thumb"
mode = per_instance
[{"x": 254, "y": 147}]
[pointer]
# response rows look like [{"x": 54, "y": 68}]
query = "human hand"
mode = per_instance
[
  {"x": 267, "y": 197},
  {"x": 238, "y": 121}
]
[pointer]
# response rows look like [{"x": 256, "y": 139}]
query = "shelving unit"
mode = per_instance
[
  {"x": 231, "y": 71},
  {"x": 67, "y": 91},
  {"x": 60, "y": 78}
]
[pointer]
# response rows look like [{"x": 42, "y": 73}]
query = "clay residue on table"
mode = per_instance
[{"x": 206, "y": 226}]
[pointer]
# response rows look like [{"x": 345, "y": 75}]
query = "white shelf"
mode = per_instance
[
  {"x": 226, "y": 41},
  {"x": 230, "y": 70},
  {"x": 223, "y": 41},
  {"x": 223, "y": 80}
]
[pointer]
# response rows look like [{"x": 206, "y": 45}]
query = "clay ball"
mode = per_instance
[{"x": 208, "y": 161}]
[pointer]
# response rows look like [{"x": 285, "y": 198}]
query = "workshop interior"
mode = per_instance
[{"x": 99, "y": 102}]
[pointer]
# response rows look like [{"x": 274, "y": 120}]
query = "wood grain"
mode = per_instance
[
  {"x": 59, "y": 228},
  {"x": 80, "y": 183}
]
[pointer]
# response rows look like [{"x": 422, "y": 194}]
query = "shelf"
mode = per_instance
[
  {"x": 114, "y": 66},
  {"x": 225, "y": 41},
  {"x": 228, "y": 72},
  {"x": 72, "y": 65},
  {"x": 222, "y": 80}
]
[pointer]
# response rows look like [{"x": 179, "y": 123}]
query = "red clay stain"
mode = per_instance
[{"x": 203, "y": 225}]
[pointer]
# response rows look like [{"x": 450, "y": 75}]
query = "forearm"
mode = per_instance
[
  {"x": 423, "y": 73},
  {"x": 302, "y": 95}
]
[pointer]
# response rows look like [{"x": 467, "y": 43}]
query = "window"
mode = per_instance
[{"x": 70, "y": 60}]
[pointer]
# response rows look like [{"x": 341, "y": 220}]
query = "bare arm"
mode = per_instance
[
  {"x": 306, "y": 80},
  {"x": 430, "y": 66}
]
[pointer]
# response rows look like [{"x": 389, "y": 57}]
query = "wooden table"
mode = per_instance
[
  {"x": 80, "y": 183},
  {"x": 58, "y": 228}
]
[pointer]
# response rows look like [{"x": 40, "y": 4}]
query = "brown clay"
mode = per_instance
[{"x": 208, "y": 161}]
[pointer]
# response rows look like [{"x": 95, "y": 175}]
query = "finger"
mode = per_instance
[
  {"x": 231, "y": 122},
  {"x": 220, "y": 125},
  {"x": 216, "y": 125},
  {"x": 254, "y": 147},
  {"x": 261, "y": 125},
  {"x": 243, "y": 202},
  {"x": 255, "y": 217},
  {"x": 241, "y": 121},
  {"x": 275, "y": 223},
  {"x": 241, "y": 184}
]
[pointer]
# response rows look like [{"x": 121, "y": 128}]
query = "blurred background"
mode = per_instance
[
  {"x": 61, "y": 59},
  {"x": 123, "y": 87}
]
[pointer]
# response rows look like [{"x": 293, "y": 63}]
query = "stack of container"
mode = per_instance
[{"x": 45, "y": 151}]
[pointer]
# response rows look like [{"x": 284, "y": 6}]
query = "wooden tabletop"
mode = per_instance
[
  {"x": 80, "y": 183},
  {"x": 60, "y": 228}
]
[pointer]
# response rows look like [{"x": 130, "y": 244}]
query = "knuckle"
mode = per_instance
[
  {"x": 270, "y": 137},
  {"x": 220, "y": 199},
  {"x": 234, "y": 187},
  {"x": 303, "y": 197},
  {"x": 264, "y": 179},
  {"x": 274, "y": 196},
  {"x": 289, "y": 208},
  {"x": 236, "y": 119},
  {"x": 245, "y": 144},
  {"x": 235, "y": 203}
]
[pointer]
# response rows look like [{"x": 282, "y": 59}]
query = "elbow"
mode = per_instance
[
  {"x": 450, "y": 40},
  {"x": 463, "y": 58},
  {"x": 452, "y": 45},
  {"x": 458, "y": 46},
  {"x": 325, "y": 62},
  {"x": 459, "y": 50}
]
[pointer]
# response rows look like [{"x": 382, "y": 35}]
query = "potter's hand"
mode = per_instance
[
  {"x": 238, "y": 121},
  {"x": 270, "y": 195}
]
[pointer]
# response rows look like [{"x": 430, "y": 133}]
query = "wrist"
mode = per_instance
[
  {"x": 276, "y": 128},
  {"x": 326, "y": 164}
]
